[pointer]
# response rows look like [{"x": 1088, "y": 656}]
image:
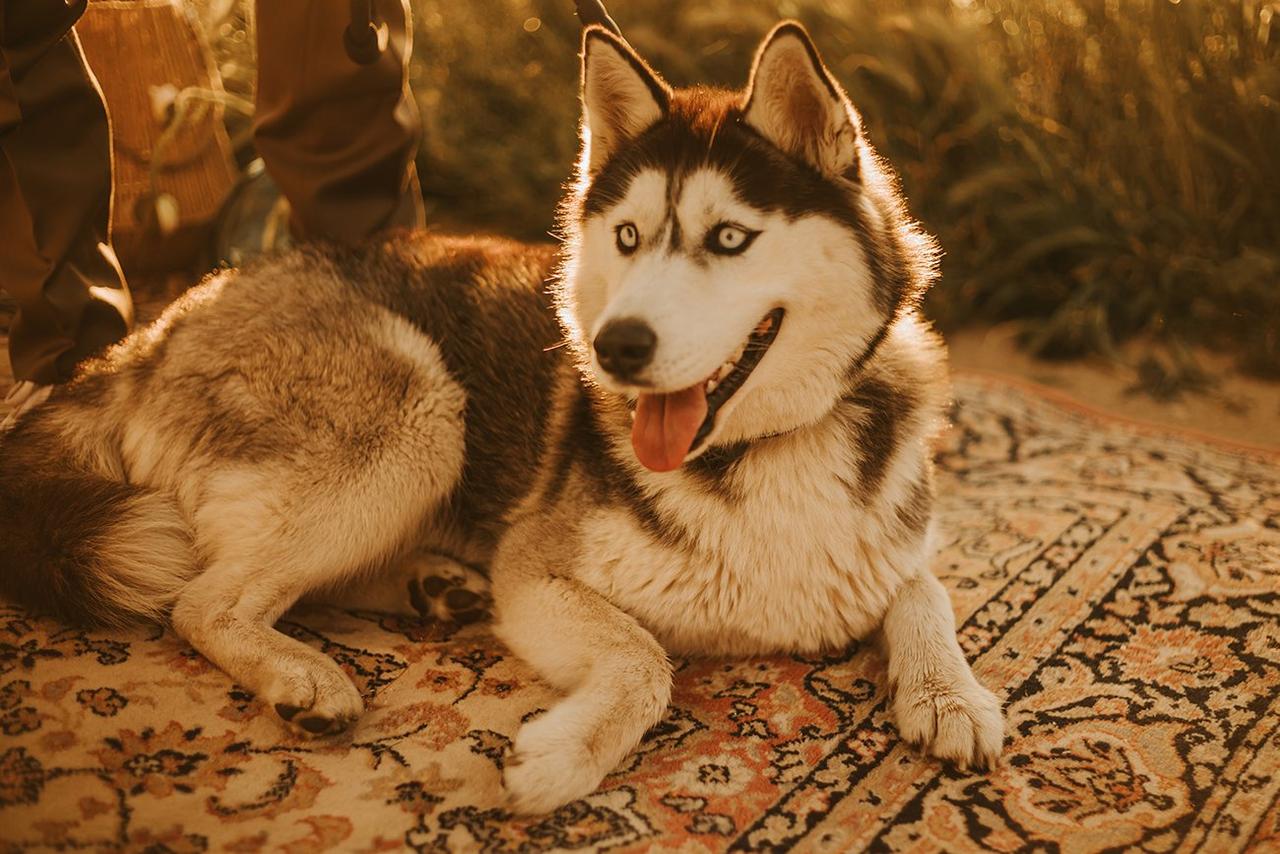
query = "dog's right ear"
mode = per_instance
[
  {"x": 795, "y": 103},
  {"x": 621, "y": 95}
]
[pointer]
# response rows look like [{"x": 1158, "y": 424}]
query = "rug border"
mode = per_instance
[{"x": 1065, "y": 400}]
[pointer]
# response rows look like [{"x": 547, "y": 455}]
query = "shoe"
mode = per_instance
[{"x": 253, "y": 220}]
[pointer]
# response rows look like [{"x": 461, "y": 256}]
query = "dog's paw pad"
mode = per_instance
[
  {"x": 458, "y": 598},
  {"x": 287, "y": 711},
  {"x": 310, "y": 724},
  {"x": 960, "y": 724},
  {"x": 462, "y": 600},
  {"x": 321, "y": 725}
]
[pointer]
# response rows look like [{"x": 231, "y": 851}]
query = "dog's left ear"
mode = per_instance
[{"x": 795, "y": 103}]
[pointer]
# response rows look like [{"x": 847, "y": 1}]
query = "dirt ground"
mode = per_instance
[{"x": 1237, "y": 408}]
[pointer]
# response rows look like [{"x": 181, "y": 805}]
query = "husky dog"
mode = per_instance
[{"x": 729, "y": 455}]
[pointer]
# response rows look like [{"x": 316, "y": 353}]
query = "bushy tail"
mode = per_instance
[{"x": 78, "y": 543}]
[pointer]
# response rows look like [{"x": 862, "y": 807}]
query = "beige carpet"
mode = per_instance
[{"x": 1121, "y": 588}]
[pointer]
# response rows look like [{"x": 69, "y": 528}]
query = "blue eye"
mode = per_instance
[
  {"x": 628, "y": 237},
  {"x": 730, "y": 239}
]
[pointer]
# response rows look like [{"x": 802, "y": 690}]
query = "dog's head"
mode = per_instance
[{"x": 731, "y": 255}]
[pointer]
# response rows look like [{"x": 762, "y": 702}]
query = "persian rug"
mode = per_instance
[{"x": 1119, "y": 586}]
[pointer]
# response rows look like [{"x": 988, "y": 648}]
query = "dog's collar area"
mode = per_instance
[{"x": 758, "y": 343}]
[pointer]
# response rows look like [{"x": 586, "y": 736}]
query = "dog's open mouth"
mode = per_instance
[{"x": 669, "y": 425}]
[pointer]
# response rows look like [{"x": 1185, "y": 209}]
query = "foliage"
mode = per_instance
[{"x": 1098, "y": 169}]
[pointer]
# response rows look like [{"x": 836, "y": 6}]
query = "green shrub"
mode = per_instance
[{"x": 1097, "y": 169}]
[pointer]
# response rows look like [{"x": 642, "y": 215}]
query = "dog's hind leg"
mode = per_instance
[
  {"x": 227, "y": 614},
  {"x": 616, "y": 674},
  {"x": 422, "y": 584},
  {"x": 271, "y": 536},
  {"x": 936, "y": 699}
]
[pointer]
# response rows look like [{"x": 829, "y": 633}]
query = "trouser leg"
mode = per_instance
[
  {"x": 339, "y": 138},
  {"x": 55, "y": 195}
]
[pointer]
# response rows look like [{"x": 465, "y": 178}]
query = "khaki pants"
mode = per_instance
[{"x": 338, "y": 138}]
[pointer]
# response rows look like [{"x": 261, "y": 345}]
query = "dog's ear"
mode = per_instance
[
  {"x": 621, "y": 95},
  {"x": 795, "y": 103}
]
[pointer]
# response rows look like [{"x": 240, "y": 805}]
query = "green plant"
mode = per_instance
[{"x": 1097, "y": 170}]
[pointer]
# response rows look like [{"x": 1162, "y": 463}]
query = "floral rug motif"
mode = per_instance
[{"x": 1119, "y": 587}]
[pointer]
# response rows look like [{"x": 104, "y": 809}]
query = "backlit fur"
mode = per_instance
[{"x": 349, "y": 423}]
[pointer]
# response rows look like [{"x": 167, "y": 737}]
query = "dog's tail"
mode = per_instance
[{"x": 78, "y": 541}]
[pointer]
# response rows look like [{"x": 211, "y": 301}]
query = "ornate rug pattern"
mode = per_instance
[{"x": 1119, "y": 587}]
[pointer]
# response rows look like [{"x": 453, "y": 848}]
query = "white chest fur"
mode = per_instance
[{"x": 793, "y": 561}]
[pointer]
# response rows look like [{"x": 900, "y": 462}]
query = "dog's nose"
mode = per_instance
[{"x": 625, "y": 346}]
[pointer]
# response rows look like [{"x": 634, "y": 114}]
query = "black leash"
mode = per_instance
[
  {"x": 593, "y": 12},
  {"x": 363, "y": 38}
]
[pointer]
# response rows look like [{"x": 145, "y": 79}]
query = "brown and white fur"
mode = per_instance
[{"x": 369, "y": 426}]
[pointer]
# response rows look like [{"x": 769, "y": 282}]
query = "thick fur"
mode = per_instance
[{"x": 364, "y": 424}]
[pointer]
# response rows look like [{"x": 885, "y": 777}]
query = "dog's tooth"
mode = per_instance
[{"x": 711, "y": 385}]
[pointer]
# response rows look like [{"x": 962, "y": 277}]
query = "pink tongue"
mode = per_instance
[{"x": 665, "y": 426}]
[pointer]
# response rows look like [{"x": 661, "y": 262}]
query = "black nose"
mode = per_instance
[{"x": 624, "y": 347}]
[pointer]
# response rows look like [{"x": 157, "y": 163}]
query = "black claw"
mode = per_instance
[
  {"x": 286, "y": 711},
  {"x": 593, "y": 12},
  {"x": 435, "y": 585}
]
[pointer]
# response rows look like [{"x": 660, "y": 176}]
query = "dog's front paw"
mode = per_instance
[
  {"x": 549, "y": 766},
  {"x": 959, "y": 722}
]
